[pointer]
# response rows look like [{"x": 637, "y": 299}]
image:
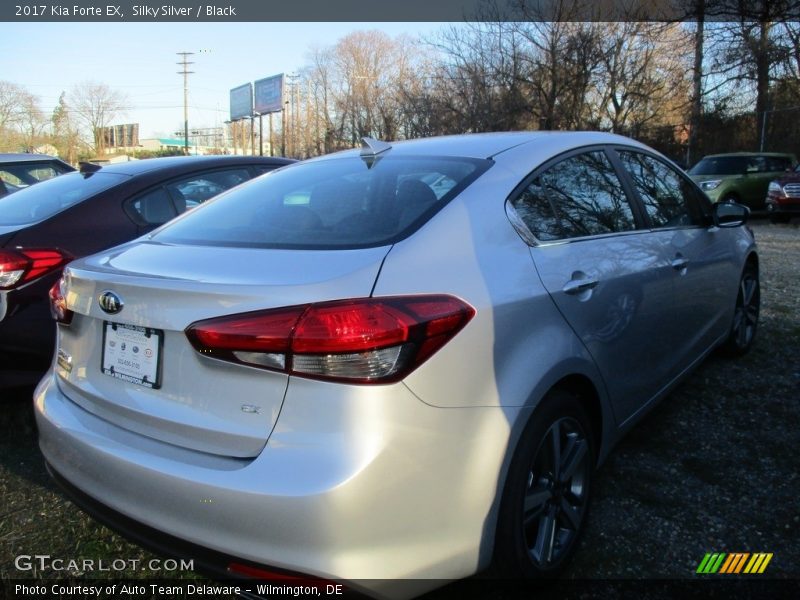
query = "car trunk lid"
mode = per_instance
[{"x": 196, "y": 402}]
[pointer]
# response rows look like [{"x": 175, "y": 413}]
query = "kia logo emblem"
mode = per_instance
[{"x": 110, "y": 302}]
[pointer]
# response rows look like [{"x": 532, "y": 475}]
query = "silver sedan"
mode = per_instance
[{"x": 398, "y": 363}]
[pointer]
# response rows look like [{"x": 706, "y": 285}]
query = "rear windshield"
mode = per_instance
[
  {"x": 43, "y": 200},
  {"x": 27, "y": 173},
  {"x": 336, "y": 203}
]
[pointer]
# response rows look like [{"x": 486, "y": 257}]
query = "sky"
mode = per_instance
[{"x": 139, "y": 60}]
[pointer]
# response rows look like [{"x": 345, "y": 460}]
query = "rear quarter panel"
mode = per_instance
[{"x": 517, "y": 345}]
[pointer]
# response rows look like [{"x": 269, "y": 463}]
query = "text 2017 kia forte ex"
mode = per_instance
[{"x": 402, "y": 362}]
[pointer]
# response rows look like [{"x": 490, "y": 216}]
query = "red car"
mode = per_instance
[
  {"x": 783, "y": 197},
  {"x": 44, "y": 226}
]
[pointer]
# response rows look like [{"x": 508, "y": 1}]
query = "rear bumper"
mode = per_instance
[
  {"x": 783, "y": 205},
  {"x": 204, "y": 560},
  {"x": 364, "y": 485}
]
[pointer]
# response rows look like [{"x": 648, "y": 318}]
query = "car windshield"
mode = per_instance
[
  {"x": 43, "y": 200},
  {"x": 721, "y": 165},
  {"x": 334, "y": 203}
]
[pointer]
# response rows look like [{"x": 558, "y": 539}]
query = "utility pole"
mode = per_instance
[
  {"x": 271, "y": 153},
  {"x": 292, "y": 116},
  {"x": 185, "y": 64}
]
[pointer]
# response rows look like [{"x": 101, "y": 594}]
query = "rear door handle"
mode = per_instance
[{"x": 577, "y": 286}]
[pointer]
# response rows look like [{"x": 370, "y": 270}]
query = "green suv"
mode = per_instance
[{"x": 740, "y": 176}]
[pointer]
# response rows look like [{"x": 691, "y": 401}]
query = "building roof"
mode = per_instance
[{"x": 174, "y": 142}]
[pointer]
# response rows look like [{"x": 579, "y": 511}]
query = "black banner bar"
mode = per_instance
[{"x": 394, "y": 10}]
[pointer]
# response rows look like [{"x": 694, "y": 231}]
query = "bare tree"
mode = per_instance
[
  {"x": 65, "y": 136},
  {"x": 96, "y": 106},
  {"x": 354, "y": 89},
  {"x": 643, "y": 80},
  {"x": 32, "y": 123},
  {"x": 22, "y": 122},
  {"x": 11, "y": 99}
]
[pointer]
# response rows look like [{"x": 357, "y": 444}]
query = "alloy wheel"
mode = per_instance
[
  {"x": 556, "y": 496},
  {"x": 745, "y": 317}
]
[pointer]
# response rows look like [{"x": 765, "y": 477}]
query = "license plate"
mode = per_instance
[{"x": 132, "y": 353}]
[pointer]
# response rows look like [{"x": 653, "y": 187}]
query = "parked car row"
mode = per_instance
[
  {"x": 398, "y": 363},
  {"x": 759, "y": 180},
  {"x": 45, "y": 226}
]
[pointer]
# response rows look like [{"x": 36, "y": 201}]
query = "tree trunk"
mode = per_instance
[
  {"x": 762, "y": 82},
  {"x": 697, "y": 85}
]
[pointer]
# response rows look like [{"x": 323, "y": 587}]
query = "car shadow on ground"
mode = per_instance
[{"x": 19, "y": 448}]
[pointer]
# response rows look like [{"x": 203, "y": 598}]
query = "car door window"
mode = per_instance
[
  {"x": 669, "y": 199},
  {"x": 198, "y": 188},
  {"x": 579, "y": 196},
  {"x": 778, "y": 163},
  {"x": 757, "y": 164}
]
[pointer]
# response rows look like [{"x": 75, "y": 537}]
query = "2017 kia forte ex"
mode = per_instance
[{"x": 398, "y": 363}]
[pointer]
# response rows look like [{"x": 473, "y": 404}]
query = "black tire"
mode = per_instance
[
  {"x": 544, "y": 507},
  {"x": 745, "y": 316},
  {"x": 730, "y": 198},
  {"x": 779, "y": 218}
]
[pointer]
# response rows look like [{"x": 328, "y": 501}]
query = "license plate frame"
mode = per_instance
[{"x": 132, "y": 353}]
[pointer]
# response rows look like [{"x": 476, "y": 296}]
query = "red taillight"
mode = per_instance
[
  {"x": 267, "y": 331},
  {"x": 22, "y": 265},
  {"x": 58, "y": 303},
  {"x": 350, "y": 327},
  {"x": 366, "y": 340}
]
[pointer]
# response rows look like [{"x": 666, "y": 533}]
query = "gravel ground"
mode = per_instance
[{"x": 713, "y": 469}]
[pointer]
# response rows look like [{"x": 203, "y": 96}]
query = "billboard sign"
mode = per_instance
[
  {"x": 242, "y": 102},
  {"x": 269, "y": 94}
]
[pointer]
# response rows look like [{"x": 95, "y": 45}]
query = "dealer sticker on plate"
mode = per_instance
[{"x": 132, "y": 353}]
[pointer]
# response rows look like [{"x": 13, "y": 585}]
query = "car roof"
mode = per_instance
[
  {"x": 180, "y": 163},
  {"x": 22, "y": 158},
  {"x": 487, "y": 145}
]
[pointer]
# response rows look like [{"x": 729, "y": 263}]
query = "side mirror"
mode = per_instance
[{"x": 730, "y": 214}]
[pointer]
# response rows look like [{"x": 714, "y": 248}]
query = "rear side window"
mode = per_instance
[
  {"x": 154, "y": 207},
  {"x": 162, "y": 204},
  {"x": 779, "y": 163},
  {"x": 195, "y": 190},
  {"x": 45, "y": 199},
  {"x": 334, "y": 203},
  {"x": 577, "y": 197},
  {"x": 668, "y": 198}
]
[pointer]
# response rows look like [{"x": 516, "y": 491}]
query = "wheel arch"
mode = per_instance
[
  {"x": 752, "y": 261},
  {"x": 585, "y": 391}
]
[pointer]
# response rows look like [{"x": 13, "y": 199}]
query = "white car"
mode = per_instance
[{"x": 388, "y": 382}]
